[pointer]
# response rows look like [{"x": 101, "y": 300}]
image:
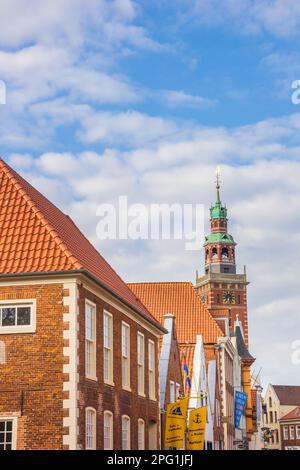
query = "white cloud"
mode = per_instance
[
  {"x": 279, "y": 17},
  {"x": 175, "y": 98},
  {"x": 129, "y": 128}
]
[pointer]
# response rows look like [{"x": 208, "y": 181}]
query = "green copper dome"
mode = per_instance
[
  {"x": 219, "y": 238},
  {"x": 218, "y": 211}
]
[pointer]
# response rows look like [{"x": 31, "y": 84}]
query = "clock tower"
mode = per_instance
[{"x": 223, "y": 290}]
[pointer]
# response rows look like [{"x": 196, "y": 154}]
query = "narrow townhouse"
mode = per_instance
[
  {"x": 78, "y": 350},
  {"x": 170, "y": 373}
]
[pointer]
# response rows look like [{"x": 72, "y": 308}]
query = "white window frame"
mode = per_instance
[
  {"x": 93, "y": 444},
  {"x": 128, "y": 438},
  {"x": 141, "y": 434},
  {"x": 14, "y": 421},
  {"x": 286, "y": 433},
  {"x": 109, "y": 414},
  {"x": 141, "y": 363},
  {"x": 151, "y": 370},
  {"x": 19, "y": 328},
  {"x": 92, "y": 374},
  {"x": 298, "y": 431},
  {"x": 108, "y": 350},
  {"x": 172, "y": 391},
  {"x": 125, "y": 355},
  {"x": 292, "y": 433}
]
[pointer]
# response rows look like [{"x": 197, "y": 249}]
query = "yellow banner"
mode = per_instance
[
  {"x": 176, "y": 423},
  {"x": 196, "y": 430}
]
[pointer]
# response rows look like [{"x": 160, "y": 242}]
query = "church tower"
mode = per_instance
[{"x": 221, "y": 288}]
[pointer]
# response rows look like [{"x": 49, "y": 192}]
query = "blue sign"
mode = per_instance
[{"x": 239, "y": 406}]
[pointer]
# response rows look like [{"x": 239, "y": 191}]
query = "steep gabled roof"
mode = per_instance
[
  {"x": 294, "y": 414},
  {"x": 35, "y": 237},
  {"x": 241, "y": 346},
  {"x": 180, "y": 299},
  {"x": 288, "y": 394}
]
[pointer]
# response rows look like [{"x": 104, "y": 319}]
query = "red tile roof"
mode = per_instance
[
  {"x": 294, "y": 414},
  {"x": 288, "y": 394},
  {"x": 192, "y": 316},
  {"x": 35, "y": 236}
]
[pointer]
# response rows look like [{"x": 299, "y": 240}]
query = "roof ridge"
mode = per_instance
[
  {"x": 52, "y": 232},
  {"x": 160, "y": 282}
]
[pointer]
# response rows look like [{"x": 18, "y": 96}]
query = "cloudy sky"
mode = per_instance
[{"x": 144, "y": 99}]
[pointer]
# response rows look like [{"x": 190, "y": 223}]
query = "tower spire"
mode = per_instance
[{"x": 218, "y": 174}]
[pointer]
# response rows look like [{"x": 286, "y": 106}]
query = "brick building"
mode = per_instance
[
  {"x": 279, "y": 401},
  {"x": 290, "y": 430},
  {"x": 198, "y": 337},
  {"x": 78, "y": 350}
]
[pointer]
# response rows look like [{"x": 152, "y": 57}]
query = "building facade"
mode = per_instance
[
  {"x": 290, "y": 430},
  {"x": 279, "y": 400},
  {"x": 78, "y": 351},
  {"x": 170, "y": 373}
]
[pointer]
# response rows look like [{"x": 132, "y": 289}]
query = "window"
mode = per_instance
[
  {"x": 108, "y": 373},
  {"x": 177, "y": 395},
  {"x": 224, "y": 253},
  {"x": 17, "y": 318},
  {"x": 125, "y": 433},
  {"x": 270, "y": 402},
  {"x": 7, "y": 433},
  {"x": 275, "y": 416},
  {"x": 141, "y": 363},
  {"x": 292, "y": 432},
  {"x": 151, "y": 366},
  {"x": 141, "y": 434},
  {"x": 108, "y": 430},
  {"x": 125, "y": 355},
  {"x": 298, "y": 432},
  {"x": 271, "y": 417},
  {"x": 285, "y": 433},
  {"x": 90, "y": 429},
  {"x": 90, "y": 340},
  {"x": 172, "y": 391}
]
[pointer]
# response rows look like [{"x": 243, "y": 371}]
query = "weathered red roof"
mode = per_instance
[
  {"x": 294, "y": 414},
  {"x": 192, "y": 316},
  {"x": 288, "y": 394},
  {"x": 35, "y": 236}
]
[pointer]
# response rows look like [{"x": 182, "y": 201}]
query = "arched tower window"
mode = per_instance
[
  {"x": 224, "y": 252},
  {"x": 207, "y": 254},
  {"x": 214, "y": 252}
]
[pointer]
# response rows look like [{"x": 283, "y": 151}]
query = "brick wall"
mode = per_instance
[
  {"x": 31, "y": 379},
  {"x": 102, "y": 397}
]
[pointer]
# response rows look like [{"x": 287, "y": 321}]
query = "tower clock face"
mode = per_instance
[{"x": 228, "y": 297}]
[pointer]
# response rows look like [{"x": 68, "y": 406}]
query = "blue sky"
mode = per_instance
[{"x": 106, "y": 98}]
